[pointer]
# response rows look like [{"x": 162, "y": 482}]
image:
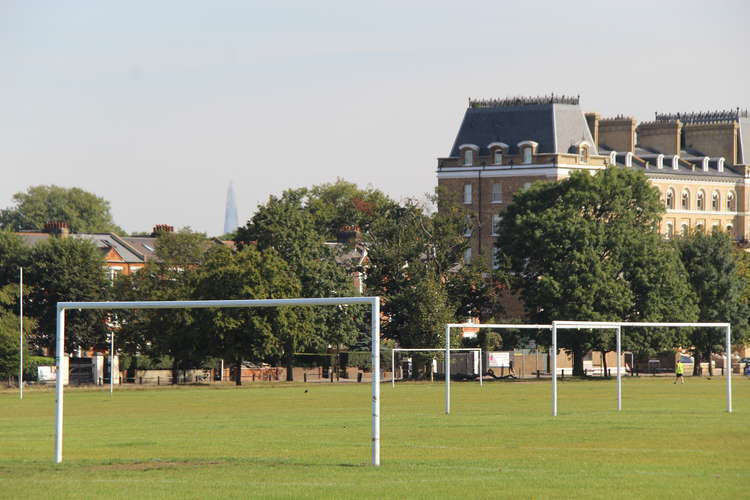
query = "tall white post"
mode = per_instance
[
  {"x": 59, "y": 353},
  {"x": 619, "y": 375},
  {"x": 111, "y": 361},
  {"x": 375, "y": 327},
  {"x": 393, "y": 368},
  {"x": 729, "y": 368},
  {"x": 553, "y": 355},
  {"x": 481, "y": 372},
  {"x": 20, "y": 334},
  {"x": 447, "y": 369}
]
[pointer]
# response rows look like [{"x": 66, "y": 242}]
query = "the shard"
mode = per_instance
[{"x": 230, "y": 213}]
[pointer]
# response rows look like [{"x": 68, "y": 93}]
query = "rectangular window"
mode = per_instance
[
  {"x": 527, "y": 155},
  {"x": 468, "y": 157},
  {"x": 498, "y": 157},
  {"x": 468, "y": 227},
  {"x": 496, "y": 219},
  {"x": 467, "y": 193},
  {"x": 467, "y": 255},
  {"x": 497, "y": 192},
  {"x": 495, "y": 264}
]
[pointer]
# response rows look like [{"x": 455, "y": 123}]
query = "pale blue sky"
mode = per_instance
[{"x": 157, "y": 105}]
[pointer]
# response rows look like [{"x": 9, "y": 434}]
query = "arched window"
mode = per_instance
[
  {"x": 715, "y": 204},
  {"x": 670, "y": 230},
  {"x": 685, "y": 199},
  {"x": 720, "y": 165},
  {"x": 669, "y": 197},
  {"x": 498, "y": 157},
  {"x": 699, "y": 227},
  {"x": 613, "y": 158},
  {"x": 729, "y": 228},
  {"x": 731, "y": 207},
  {"x": 660, "y": 161},
  {"x": 684, "y": 229},
  {"x": 700, "y": 200}
]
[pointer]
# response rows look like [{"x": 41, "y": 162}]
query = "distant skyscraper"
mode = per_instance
[{"x": 230, "y": 214}]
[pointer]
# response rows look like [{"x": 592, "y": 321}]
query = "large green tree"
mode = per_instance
[
  {"x": 67, "y": 269},
  {"x": 413, "y": 254},
  {"x": 246, "y": 333},
  {"x": 165, "y": 332},
  {"x": 586, "y": 248},
  {"x": 712, "y": 263},
  {"x": 285, "y": 225},
  {"x": 83, "y": 211},
  {"x": 9, "y": 332}
]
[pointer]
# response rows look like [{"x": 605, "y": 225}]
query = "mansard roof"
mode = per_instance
[{"x": 555, "y": 123}]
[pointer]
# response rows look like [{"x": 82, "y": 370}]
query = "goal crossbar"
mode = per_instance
[
  {"x": 373, "y": 302},
  {"x": 447, "y": 355}
]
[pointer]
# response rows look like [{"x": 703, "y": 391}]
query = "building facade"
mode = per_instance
[{"x": 698, "y": 161}]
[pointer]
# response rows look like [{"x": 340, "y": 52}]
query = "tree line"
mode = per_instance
[{"x": 585, "y": 248}]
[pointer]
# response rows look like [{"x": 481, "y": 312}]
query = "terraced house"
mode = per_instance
[{"x": 698, "y": 161}]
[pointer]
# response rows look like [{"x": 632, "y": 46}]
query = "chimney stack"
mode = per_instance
[
  {"x": 57, "y": 228},
  {"x": 661, "y": 136},
  {"x": 348, "y": 235},
  {"x": 593, "y": 119},
  {"x": 618, "y": 133},
  {"x": 162, "y": 228}
]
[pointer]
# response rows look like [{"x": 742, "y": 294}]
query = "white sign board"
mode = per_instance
[
  {"x": 498, "y": 359},
  {"x": 46, "y": 374}
]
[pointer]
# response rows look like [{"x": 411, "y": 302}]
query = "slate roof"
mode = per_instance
[
  {"x": 554, "y": 126},
  {"x": 145, "y": 245},
  {"x": 103, "y": 241}
]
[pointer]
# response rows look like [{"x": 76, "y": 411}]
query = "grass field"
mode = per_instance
[{"x": 670, "y": 441}]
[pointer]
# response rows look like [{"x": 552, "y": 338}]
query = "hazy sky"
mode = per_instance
[{"x": 157, "y": 105}]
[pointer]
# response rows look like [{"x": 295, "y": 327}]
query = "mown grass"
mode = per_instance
[{"x": 671, "y": 441}]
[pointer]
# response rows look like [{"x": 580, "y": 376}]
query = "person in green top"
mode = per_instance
[{"x": 679, "y": 372}]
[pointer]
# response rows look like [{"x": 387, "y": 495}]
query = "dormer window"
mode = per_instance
[
  {"x": 704, "y": 163},
  {"x": 468, "y": 157},
  {"x": 468, "y": 151},
  {"x": 528, "y": 149},
  {"x": 498, "y": 149},
  {"x": 675, "y": 162},
  {"x": 498, "y": 157},
  {"x": 660, "y": 161},
  {"x": 613, "y": 158},
  {"x": 715, "y": 205},
  {"x": 720, "y": 165},
  {"x": 629, "y": 159}
]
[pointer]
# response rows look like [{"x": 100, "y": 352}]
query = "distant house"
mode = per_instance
[{"x": 120, "y": 256}]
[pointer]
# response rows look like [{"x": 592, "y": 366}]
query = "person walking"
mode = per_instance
[{"x": 679, "y": 371}]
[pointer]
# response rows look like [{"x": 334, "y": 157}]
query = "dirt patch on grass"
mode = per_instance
[{"x": 152, "y": 465}]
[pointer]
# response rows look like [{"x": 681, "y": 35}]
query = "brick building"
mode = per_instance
[{"x": 698, "y": 161}]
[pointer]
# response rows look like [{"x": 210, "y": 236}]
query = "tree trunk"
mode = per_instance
[
  {"x": 696, "y": 363},
  {"x": 710, "y": 365},
  {"x": 289, "y": 361},
  {"x": 238, "y": 372},
  {"x": 175, "y": 371},
  {"x": 578, "y": 361},
  {"x": 604, "y": 363}
]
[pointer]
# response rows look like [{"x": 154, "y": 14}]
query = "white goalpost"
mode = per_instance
[
  {"x": 617, "y": 326},
  {"x": 505, "y": 326},
  {"x": 447, "y": 357},
  {"x": 373, "y": 302}
]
